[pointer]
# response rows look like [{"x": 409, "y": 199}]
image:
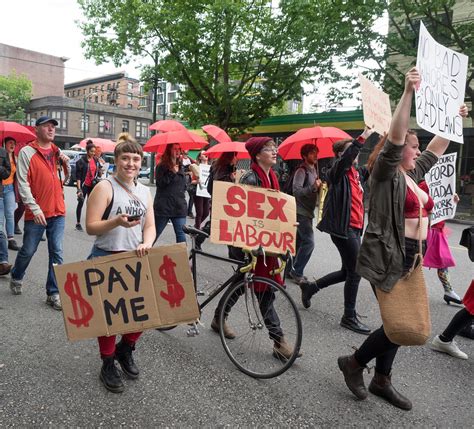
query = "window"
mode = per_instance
[
  {"x": 30, "y": 120},
  {"x": 130, "y": 106},
  {"x": 130, "y": 85},
  {"x": 174, "y": 87},
  {"x": 86, "y": 124},
  {"x": 125, "y": 126},
  {"x": 101, "y": 98},
  {"x": 106, "y": 124},
  {"x": 68, "y": 94},
  {"x": 90, "y": 90},
  {"x": 96, "y": 98},
  {"x": 161, "y": 110},
  {"x": 142, "y": 130},
  {"x": 74, "y": 93},
  {"x": 101, "y": 87},
  {"x": 171, "y": 97},
  {"x": 108, "y": 86},
  {"x": 61, "y": 117},
  {"x": 159, "y": 99},
  {"x": 84, "y": 91},
  {"x": 130, "y": 96}
]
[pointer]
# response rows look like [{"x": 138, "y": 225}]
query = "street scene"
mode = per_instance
[{"x": 236, "y": 213}]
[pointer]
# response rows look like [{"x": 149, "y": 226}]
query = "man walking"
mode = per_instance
[
  {"x": 41, "y": 172},
  {"x": 306, "y": 184}
]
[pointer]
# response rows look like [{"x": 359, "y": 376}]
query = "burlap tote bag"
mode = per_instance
[{"x": 405, "y": 309}]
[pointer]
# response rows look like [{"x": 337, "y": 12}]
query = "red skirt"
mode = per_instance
[
  {"x": 468, "y": 299},
  {"x": 438, "y": 254}
]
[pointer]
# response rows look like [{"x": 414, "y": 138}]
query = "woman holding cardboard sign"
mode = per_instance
[
  {"x": 389, "y": 255},
  {"x": 120, "y": 215}
]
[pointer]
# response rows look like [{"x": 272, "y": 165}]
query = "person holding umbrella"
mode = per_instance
[
  {"x": 5, "y": 170},
  {"x": 10, "y": 186}
]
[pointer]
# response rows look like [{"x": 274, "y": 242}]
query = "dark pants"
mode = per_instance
[
  {"x": 86, "y": 190},
  {"x": 461, "y": 319},
  {"x": 304, "y": 243},
  {"x": 191, "y": 194},
  {"x": 20, "y": 210},
  {"x": 349, "y": 250},
  {"x": 377, "y": 345},
  {"x": 201, "y": 205}
]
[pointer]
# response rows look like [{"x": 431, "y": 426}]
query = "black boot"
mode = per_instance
[
  {"x": 381, "y": 385},
  {"x": 308, "y": 289},
  {"x": 110, "y": 376},
  {"x": 353, "y": 375},
  {"x": 123, "y": 354}
]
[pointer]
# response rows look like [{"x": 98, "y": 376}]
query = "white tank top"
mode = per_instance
[{"x": 121, "y": 238}]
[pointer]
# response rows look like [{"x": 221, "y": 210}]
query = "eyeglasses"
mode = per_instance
[{"x": 270, "y": 149}]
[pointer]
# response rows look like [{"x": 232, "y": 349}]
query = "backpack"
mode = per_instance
[{"x": 288, "y": 186}]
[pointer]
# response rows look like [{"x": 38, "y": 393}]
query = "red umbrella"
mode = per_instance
[
  {"x": 16, "y": 131},
  {"x": 219, "y": 149},
  {"x": 185, "y": 138},
  {"x": 106, "y": 145},
  {"x": 167, "y": 125},
  {"x": 216, "y": 133},
  {"x": 323, "y": 137}
]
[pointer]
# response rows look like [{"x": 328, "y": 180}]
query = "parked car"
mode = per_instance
[{"x": 144, "y": 173}]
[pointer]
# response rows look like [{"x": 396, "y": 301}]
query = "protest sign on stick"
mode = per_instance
[
  {"x": 201, "y": 190},
  {"x": 441, "y": 181},
  {"x": 248, "y": 217},
  {"x": 441, "y": 91},
  {"x": 123, "y": 293},
  {"x": 376, "y": 106}
]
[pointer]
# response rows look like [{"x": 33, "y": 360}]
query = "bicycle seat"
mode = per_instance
[{"x": 190, "y": 230}]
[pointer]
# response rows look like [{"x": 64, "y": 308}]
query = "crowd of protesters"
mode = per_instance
[{"x": 382, "y": 253}]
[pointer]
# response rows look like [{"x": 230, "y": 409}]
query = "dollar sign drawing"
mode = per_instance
[
  {"x": 83, "y": 312},
  {"x": 175, "y": 290}
]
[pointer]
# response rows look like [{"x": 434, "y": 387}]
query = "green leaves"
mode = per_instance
[{"x": 15, "y": 94}]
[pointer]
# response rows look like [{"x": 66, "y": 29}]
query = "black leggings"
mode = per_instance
[
  {"x": 461, "y": 319},
  {"x": 377, "y": 345},
  {"x": 86, "y": 190}
]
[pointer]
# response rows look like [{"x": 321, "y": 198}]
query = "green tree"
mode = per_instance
[
  {"x": 236, "y": 58},
  {"x": 15, "y": 94},
  {"x": 395, "y": 52}
]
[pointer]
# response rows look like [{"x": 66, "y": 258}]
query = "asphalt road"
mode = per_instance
[{"x": 45, "y": 380}]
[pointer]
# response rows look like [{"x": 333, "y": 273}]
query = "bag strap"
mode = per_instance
[{"x": 129, "y": 192}]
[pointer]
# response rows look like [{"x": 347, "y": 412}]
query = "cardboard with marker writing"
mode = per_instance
[
  {"x": 120, "y": 293},
  {"x": 376, "y": 106},
  {"x": 247, "y": 217}
]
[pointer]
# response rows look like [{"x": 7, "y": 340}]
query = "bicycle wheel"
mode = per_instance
[{"x": 260, "y": 312}]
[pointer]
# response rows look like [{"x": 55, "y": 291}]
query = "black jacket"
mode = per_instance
[
  {"x": 82, "y": 166},
  {"x": 170, "y": 200},
  {"x": 5, "y": 167},
  {"x": 337, "y": 205}
]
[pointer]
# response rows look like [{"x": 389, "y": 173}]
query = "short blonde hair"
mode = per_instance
[{"x": 127, "y": 144}]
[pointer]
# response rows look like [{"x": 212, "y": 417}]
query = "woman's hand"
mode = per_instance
[
  {"x": 367, "y": 132},
  {"x": 142, "y": 249},
  {"x": 412, "y": 79},
  {"x": 456, "y": 198},
  {"x": 122, "y": 220},
  {"x": 463, "y": 111}
]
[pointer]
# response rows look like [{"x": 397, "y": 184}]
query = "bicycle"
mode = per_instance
[{"x": 245, "y": 305}]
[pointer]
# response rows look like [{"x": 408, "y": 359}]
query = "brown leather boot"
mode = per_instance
[
  {"x": 353, "y": 375},
  {"x": 381, "y": 385},
  {"x": 282, "y": 350},
  {"x": 228, "y": 332},
  {"x": 5, "y": 268}
]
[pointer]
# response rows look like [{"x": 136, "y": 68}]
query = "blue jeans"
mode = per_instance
[
  {"x": 305, "y": 247},
  {"x": 178, "y": 222},
  {"x": 31, "y": 237},
  {"x": 3, "y": 239},
  {"x": 10, "y": 206}
]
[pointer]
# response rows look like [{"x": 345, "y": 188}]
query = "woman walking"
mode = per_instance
[
  {"x": 9, "y": 195},
  {"x": 170, "y": 200},
  {"x": 201, "y": 204},
  {"x": 391, "y": 237},
  {"x": 118, "y": 232}
]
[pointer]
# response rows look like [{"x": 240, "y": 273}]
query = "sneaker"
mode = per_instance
[
  {"x": 451, "y": 348},
  {"x": 5, "y": 268},
  {"x": 54, "y": 301},
  {"x": 354, "y": 324},
  {"x": 17, "y": 230},
  {"x": 297, "y": 279},
  {"x": 79, "y": 227},
  {"x": 12, "y": 245},
  {"x": 15, "y": 286}
]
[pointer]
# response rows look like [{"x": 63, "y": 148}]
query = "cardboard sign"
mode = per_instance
[
  {"x": 441, "y": 92},
  {"x": 201, "y": 189},
  {"x": 376, "y": 106},
  {"x": 249, "y": 217},
  {"x": 441, "y": 181},
  {"x": 123, "y": 293}
]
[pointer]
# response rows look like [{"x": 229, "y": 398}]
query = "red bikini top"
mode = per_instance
[{"x": 412, "y": 205}]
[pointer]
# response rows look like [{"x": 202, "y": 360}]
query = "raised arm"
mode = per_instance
[{"x": 401, "y": 117}]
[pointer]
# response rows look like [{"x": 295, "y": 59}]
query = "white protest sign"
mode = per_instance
[
  {"x": 376, "y": 106},
  {"x": 201, "y": 190},
  {"x": 441, "y": 181},
  {"x": 441, "y": 92}
]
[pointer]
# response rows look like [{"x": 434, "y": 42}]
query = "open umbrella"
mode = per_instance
[
  {"x": 106, "y": 145},
  {"x": 16, "y": 131},
  {"x": 219, "y": 149},
  {"x": 216, "y": 133},
  {"x": 323, "y": 137},
  {"x": 167, "y": 125},
  {"x": 186, "y": 139}
]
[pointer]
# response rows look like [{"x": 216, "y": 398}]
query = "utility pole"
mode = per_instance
[{"x": 155, "y": 95}]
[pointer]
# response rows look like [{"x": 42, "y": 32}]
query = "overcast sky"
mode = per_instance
[{"x": 49, "y": 26}]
